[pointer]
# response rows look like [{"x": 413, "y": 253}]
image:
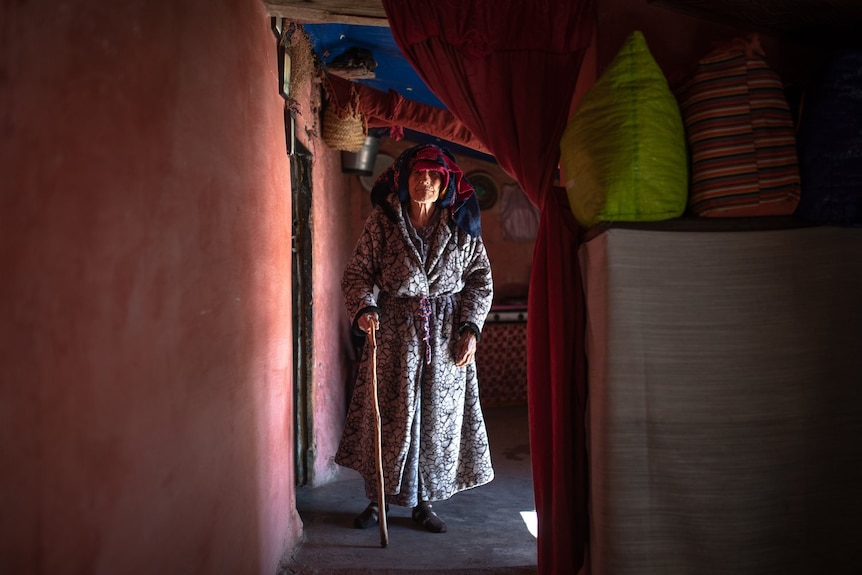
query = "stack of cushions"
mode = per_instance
[
  {"x": 740, "y": 134},
  {"x": 623, "y": 152},
  {"x": 830, "y": 143}
]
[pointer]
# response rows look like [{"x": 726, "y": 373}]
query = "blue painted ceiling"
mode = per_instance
[{"x": 393, "y": 72}]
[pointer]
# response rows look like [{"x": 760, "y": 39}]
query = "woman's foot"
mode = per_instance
[
  {"x": 425, "y": 516},
  {"x": 369, "y": 517}
]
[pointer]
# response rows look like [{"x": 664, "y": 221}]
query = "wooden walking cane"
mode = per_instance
[{"x": 381, "y": 497}]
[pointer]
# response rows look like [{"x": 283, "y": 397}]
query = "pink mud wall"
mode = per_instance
[
  {"x": 333, "y": 245},
  {"x": 145, "y": 347}
]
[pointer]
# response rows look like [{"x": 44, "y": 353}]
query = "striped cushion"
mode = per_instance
[{"x": 741, "y": 136}]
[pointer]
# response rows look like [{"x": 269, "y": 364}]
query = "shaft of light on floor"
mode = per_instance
[{"x": 531, "y": 522}]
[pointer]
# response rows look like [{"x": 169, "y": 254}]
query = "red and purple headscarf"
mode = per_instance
[{"x": 455, "y": 190}]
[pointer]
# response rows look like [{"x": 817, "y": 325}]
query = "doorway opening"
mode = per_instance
[{"x": 489, "y": 526}]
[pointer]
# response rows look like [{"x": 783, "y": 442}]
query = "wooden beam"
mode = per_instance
[{"x": 360, "y": 12}]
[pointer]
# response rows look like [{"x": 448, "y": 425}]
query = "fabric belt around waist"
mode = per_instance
[{"x": 425, "y": 310}]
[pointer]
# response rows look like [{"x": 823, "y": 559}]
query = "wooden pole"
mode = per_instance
[{"x": 381, "y": 497}]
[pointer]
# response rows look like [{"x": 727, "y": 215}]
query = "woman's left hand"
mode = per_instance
[{"x": 466, "y": 349}]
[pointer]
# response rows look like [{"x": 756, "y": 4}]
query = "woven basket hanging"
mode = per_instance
[{"x": 345, "y": 129}]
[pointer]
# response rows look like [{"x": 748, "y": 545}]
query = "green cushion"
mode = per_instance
[{"x": 624, "y": 151}]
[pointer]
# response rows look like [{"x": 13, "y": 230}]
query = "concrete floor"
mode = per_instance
[{"x": 486, "y": 531}]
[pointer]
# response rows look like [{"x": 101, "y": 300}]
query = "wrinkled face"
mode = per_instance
[{"x": 424, "y": 186}]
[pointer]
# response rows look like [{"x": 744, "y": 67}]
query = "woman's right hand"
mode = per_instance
[{"x": 367, "y": 321}]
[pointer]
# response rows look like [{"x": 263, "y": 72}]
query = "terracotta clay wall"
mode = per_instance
[
  {"x": 145, "y": 332},
  {"x": 332, "y": 348}
]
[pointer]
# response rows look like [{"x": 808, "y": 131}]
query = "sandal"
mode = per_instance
[
  {"x": 425, "y": 516},
  {"x": 369, "y": 517}
]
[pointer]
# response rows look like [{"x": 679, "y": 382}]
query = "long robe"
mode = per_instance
[{"x": 433, "y": 431}]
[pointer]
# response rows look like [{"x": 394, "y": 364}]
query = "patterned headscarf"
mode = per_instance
[{"x": 455, "y": 190}]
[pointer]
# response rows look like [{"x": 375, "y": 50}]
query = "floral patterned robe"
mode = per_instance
[{"x": 433, "y": 431}]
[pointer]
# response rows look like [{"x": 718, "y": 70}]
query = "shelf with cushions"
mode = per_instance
[{"x": 723, "y": 144}]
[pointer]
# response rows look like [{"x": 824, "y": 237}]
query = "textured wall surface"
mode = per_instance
[
  {"x": 333, "y": 244},
  {"x": 146, "y": 399}
]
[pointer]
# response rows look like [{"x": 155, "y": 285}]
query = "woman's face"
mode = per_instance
[{"x": 425, "y": 186}]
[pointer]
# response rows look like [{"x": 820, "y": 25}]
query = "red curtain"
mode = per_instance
[
  {"x": 391, "y": 110},
  {"x": 508, "y": 69}
]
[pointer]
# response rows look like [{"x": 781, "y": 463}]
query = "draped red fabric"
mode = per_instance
[
  {"x": 556, "y": 372},
  {"x": 391, "y": 110},
  {"x": 508, "y": 69}
]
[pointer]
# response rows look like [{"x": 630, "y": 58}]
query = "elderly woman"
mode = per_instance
[{"x": 420, "y": 275}]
